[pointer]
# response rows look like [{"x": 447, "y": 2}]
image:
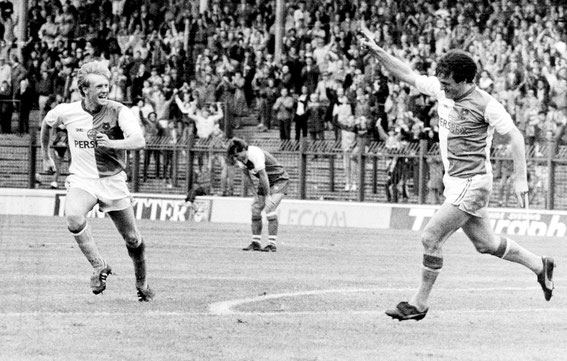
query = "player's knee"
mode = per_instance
[
  {"x": 498, "y": 249},
  {"x": 272, "y": 216},
  {"x": 270, "y": 207},
  {"x": 132, "y": 239},
  {"x": 136, "y": 251},
  {"x": 256, "y": 210},
  {"x": 485, "y": 249},
  {"x": 430, "y": 242},
  {"x": 76, "y": 222}
]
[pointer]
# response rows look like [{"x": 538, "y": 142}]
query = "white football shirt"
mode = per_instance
[
  {"x": 466, "y": 128},
  {"x": 88, "y": 160}
]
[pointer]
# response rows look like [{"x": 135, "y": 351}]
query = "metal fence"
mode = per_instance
[{"x": 316, "y": 169}]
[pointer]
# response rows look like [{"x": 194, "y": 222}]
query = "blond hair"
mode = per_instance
[{"x": 93, "y": 67}]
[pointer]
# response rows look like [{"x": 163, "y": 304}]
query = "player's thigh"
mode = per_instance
[
  {"x": 258, "y": 204},
  {"x": 273, "y": 203},
  {"x": 443, "y": 224},
  {"x": 479, "y": 230},
  {"x": 78, "y": 202}
]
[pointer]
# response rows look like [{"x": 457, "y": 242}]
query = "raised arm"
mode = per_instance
[{"x": 395, "y": 66}]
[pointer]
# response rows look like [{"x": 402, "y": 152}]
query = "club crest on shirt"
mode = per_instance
[
  {"x": 459, "y": 115},
  {"x": 91, "y": 134}
]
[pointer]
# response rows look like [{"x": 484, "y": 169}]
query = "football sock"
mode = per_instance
[
  {"x": 518, "y": 254},
  {"x": 431, "y": 267},
  {"x": 272, "y": 228},
  {"x": 138, "y": 256},
  {"x": 84, "y": 238},
  {"x": 256, "y": 228}
]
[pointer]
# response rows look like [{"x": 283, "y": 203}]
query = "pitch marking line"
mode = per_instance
[
  {"x": 225, "y": 307},
  {"x": 137, "y": 314}
]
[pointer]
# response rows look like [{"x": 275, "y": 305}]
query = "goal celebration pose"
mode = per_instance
[
  {"x": 468, "y": 117},
  {"x": 99, "y": 131}
]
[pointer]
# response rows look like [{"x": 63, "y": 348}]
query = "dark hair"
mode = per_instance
[
  {"x": 236, "y": 145},
  {"x": 458, "y": 65}
]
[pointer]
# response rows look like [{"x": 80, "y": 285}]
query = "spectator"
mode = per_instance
[
  {"x": 44, "y": 89},
  {"x": 239, "y": 107},
  {"x": 264, "y": 111},
  {"x": 208, "y": 128},
  {"x": 26, "y": 100},
  {"x": 49, "y": 31},
  {"x": 18, "y": 73},
  {"x": 9, "y": 22},
  {"x": 152, "y": 130},
  {"x": 300, "y": 116},
  {"x": 6, "y": 107},
  {"x": 345, "y": 122},
  {"x": 138, "y": 79},
  {"x": 283, "y": 107},
  {"x": 5, "y": 71},
  {"x": 315, "y": 114},
  {"x": 141, "y": 111},
  {"x": 309, "y": 75},
  {"x": 118, "y": 83}
]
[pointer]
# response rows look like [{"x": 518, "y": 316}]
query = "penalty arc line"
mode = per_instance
[{"x": 225, "y": 307}]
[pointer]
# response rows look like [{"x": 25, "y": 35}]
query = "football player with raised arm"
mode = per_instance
[{"x": 468, "y": 117}]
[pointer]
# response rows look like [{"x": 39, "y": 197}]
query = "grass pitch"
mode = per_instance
[{"x": 322, "y": 296}]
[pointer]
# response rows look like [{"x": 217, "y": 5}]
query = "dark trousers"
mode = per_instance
[
  {"x": 285, "y": 129},
  {"x": 24, "y": 122},
  {"x": 300, "y": 126},
  {"x": 6, "y": 122}
]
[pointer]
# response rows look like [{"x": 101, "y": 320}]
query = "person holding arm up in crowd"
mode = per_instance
[
  {"x": 99, "y": 132},
  {"x": 468, "y": 117}
]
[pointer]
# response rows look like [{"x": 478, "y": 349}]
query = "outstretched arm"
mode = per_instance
[
  {"x": 518, "y": 150},
  {"x": 395, "y": 66}
]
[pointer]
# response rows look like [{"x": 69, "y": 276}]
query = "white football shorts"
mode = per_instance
[
  {"x": 111, "y": 192},
  {"x": 471, "y": 195}
]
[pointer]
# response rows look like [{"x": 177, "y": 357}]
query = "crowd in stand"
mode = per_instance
[{"x": 172, "y": 58}]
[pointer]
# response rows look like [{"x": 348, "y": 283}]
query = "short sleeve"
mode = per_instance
[
  {"x": 257, "y": 157},
  {"x": 128, "y": 122},
  {"x": 54, "y": 119},
  {"x": 498, "y": 117},
  {"x": 429, "y": 85}
]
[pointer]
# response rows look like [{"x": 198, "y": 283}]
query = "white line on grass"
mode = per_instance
[
  {"x": 225, "y": 307},
  {"x": 153, "y": 313}
]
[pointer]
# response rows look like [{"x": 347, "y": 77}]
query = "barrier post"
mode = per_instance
[
  {"x": 374, "y": 175},
  {"x": 422, "y": 176},
  {"x": 136, "y": 172},
  {"x": 361, "y": 158},
  {"x": 302, "y": 167},
  {"x": 190, "y": 159},
  {"x": 32, "y": 157},
  {"x": 552, "y": 149}
]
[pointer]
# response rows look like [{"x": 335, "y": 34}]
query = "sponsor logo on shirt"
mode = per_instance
[
  {"x": 455, "y": 117},
  {"x": 82, "y": 144}
]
